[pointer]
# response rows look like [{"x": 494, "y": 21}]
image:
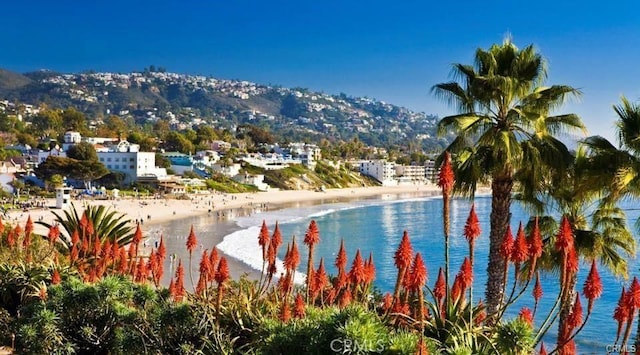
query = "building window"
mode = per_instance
[
  {"x": 117, "y": 166},
  {"x": 108, "y": 159},
  {"x": 109, "y": 166},
  {"x": 101, "y": 159},
  {"x": 131, "y": 167},
  {"x": 131, "y": 159}
]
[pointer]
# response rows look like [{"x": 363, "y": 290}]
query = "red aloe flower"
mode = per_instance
[
  {"x": 369, "y": 270},
  {"x": 191, "y": 241},
  {"x": 312, "y": 236},
  {"x": 205, "y": 266},
  {"x": 122, "y": 262},
  {"x": 162, "y": 250},
  {"x": 1, "y": 226},
  {"x": 526, "y": 316},
  {"x": 263, "y": 239},
  {"x": 106, "y": 250},
  {"x": 341, "y": 258},
  {"x": 298, "y": 309},
  {"x": 28, "y": 227},
  {"x": 418, "y": 274},
  {"x": 285, "y": 312},
  {"x": 276, "y": 238},
  {"x": 575, "y": 318},
  {"x": 564, "y": 239},
  {"x": 633, "y": 296},
  {"x": 506, "y": 248},
  {"x": 446, "y": 176},
  {"x": 572, "y": 261},
  {"x": 11, "y": 237},
  {"x": 179, "y": 284},
  {"x": 331, "y": 295},
  {"x": 537, "y": 289},
  {"x": 213, "y": 261},
  {"x": 520, "y": 251},
  {"x": 222, "y": 274},
  {"x": 481, "y": 312},
  {"x": 97, "y": 247},
  {"x": 592, "y": 286},
  {"x": 472, "y": 227},
  {"x": 404, "y": 253},
  {"x": 357, "y": 274},
  {"x": 75, "y": 237},
  {"x": 74, "y": 253},
  {"x": 387, "y": 302},
  {"x": 90, "y": 229},
  {"x": 83, "y": 221},
  {"x": 543, "y": 351},
  {"x": 202, "y": 284},
  {"x": 172, "y": 289},
  {"x": 293, "y": 260},
  {"x": 456, "y": 289},
  {"x": 440, "y": 288},
  {"x": 137, "y": 236},
  {"x": 535, "y": 240},
  {"x": 55, "y": 277},
  {"x": 466, "y": 274},
  {"x": 320, "y": 278},
  {"x": 26, "y": 242},
  {"x": 345, "y": 298},
  {"x": 342, "y": 280},
  {"x": 621, "y": 313}
]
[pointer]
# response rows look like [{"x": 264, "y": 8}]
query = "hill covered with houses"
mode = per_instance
[{"x": 187, "y": 100}]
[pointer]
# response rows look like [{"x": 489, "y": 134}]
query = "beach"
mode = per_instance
[{"x": 155, "y": 213}]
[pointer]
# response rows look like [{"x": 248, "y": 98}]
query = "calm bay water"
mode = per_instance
[{"x": 377, "y": 226}]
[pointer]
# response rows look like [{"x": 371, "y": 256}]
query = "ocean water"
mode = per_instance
[{"x": 376, "y": 226}]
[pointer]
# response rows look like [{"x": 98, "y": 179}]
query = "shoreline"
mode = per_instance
[{"x": 170, "y": 217}]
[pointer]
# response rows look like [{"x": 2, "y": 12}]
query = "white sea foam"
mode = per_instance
[{"x": 243, "y": 244}]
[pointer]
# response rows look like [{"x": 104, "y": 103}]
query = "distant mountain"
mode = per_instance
[
  {"x": 186, "y": 100},
  {"x": 11, "y": 81}
]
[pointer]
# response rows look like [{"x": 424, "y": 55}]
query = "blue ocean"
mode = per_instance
[{"x": 376, "y": 226}]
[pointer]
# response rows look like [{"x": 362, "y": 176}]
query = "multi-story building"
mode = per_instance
[
  {"x": 126, "y": 158},
  {"x": 431, "y": 172},
  {"x": 381, "y": 170},
  {"x": 411, "y": 173}
]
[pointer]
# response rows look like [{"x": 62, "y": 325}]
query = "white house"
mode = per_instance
[
  {"x": 126, "y": 158},
  {"x": 381, "y": 170}
]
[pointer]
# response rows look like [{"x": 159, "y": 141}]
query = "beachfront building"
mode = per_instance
[
  {"x": 381, "y": 170},
  {"x": 414, "y": 174},
  {"x": 180, "y": 162},
  {"x": 431, "y": 172},
  {"x": 135, "y": 165},
  {"x": 249, "y": 179}
]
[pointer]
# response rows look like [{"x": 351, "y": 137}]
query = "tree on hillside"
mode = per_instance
[
  {"x": 82, "y": 151},
  {"x": 504, "y": 123},
  {"x": 74, "y": 120}
]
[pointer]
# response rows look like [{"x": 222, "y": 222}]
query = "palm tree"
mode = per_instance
[
  {"x": 107, "y": 225},
  {"x": 624, "y": 161},
  {"x": 504, "y": 123},
  {"x": 599, "y": 227}
]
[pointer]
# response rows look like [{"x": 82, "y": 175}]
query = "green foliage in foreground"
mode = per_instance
[{"x": 118, "y": 316}]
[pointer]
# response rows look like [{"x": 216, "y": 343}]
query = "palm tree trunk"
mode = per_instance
[{"x": 500, "y": 219}]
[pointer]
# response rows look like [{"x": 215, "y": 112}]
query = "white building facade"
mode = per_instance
[{"x": 381, "y": 170}]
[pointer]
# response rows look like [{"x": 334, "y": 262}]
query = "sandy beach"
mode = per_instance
[
  {"x": 219, "y": 206},
  {"x": 155, "y": 211}
]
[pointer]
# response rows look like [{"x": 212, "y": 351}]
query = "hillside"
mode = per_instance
[{"x": 187, "y": 100}]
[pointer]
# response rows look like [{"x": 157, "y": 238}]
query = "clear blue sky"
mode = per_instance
[{"x": 392, "y": 51}]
